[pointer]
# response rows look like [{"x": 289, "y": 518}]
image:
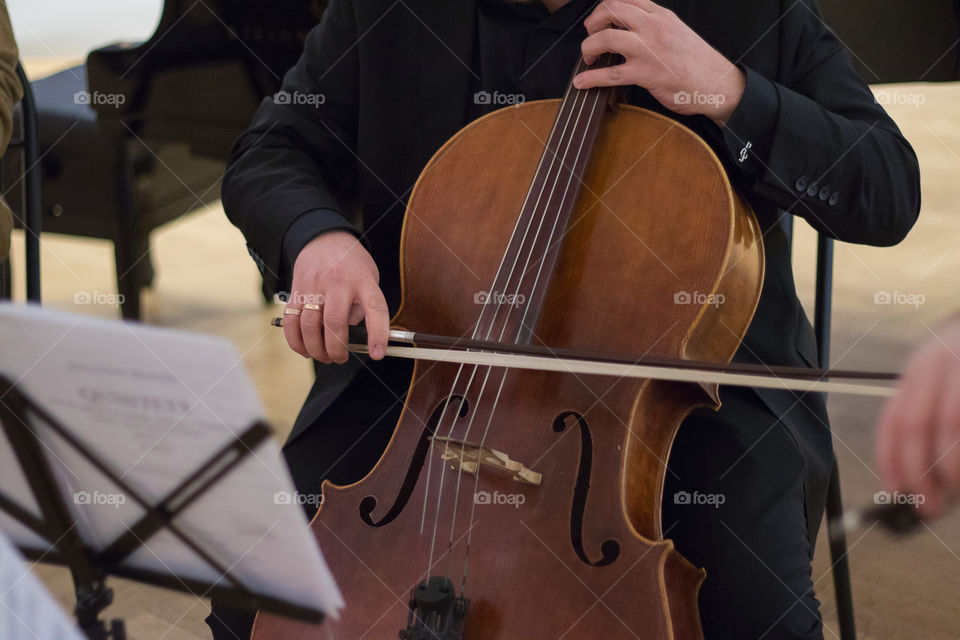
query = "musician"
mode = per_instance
[
  {"x": 381, "y": 86},
  {"x": 918, "y": 437}
]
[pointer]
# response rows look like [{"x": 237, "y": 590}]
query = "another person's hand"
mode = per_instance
[
  {"x": 918, "y": 441},
  {"x": 335, "y": 272},
  {"x": 664, "y": 56}
]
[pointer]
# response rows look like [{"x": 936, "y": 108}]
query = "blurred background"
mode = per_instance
[
  {"x": 61, "y": 31},
  {"x": 190, "y": 269}
]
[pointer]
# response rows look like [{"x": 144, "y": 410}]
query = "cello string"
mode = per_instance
[
  {"x": 561, "y": 134},
  {"x": 475, "y": 368},
  {"x": 474, "y": 335},
  {"x": 558, "y": 158},
  {"x": 519, "y": 330},
  {"x": 562, "y": 163},
  {"x": 559, "y": 161},
  {"x": 555, "y": 140}
]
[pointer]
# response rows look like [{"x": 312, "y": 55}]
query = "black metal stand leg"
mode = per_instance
[
  {"x": 92, "y": 599},
  {"x": 93, "y": 596},
  {"x": 839, "y": 558},
  {"x": 117, "y": 631}
]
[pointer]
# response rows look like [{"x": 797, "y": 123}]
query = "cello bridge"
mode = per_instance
[{"x": 469, "y": 457}]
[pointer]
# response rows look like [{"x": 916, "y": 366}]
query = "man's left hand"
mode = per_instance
[{"x": 664, "y": 56}]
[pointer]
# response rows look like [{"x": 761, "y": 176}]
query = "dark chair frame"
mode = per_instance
[
  {"x": 838, "y": 538},
  {"x": 28, "y": 144},
  {"x": 823, "y": 308}
]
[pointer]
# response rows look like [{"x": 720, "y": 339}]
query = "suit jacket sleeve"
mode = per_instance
[
  {"x": 298, "y": 153},
  {"x": 819, "y": 144}
]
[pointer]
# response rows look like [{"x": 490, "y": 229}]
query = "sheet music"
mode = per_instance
[
  {"x": 27, "y": 610},
  {"x": 156, "y": 403}
]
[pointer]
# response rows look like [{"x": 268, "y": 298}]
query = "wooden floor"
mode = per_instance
[{"x": 903, "y": 588}]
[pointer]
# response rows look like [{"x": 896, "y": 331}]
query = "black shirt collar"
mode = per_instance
[{"x": 562, "y": 19}]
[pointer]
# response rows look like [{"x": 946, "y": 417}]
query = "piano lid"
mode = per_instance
[{"x": 201, "y": 75}]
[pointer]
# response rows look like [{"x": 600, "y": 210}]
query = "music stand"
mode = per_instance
[{"x": 89, "y": 566}]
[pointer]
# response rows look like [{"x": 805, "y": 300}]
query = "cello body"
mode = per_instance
[{"x": 659, "y": 257}]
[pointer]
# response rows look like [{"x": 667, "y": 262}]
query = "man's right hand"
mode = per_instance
[{"x": 335, "y": 272}]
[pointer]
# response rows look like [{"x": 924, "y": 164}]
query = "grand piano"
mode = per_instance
[
  {"x": 201, "y": 75},
  {"x": 119, "y": 168}
]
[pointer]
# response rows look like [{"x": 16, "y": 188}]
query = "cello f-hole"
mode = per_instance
[
  {"x": 369, "y": 503},
  {"x": 609, "y": 549}
]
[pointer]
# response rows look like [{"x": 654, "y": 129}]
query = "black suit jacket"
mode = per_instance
[{"x": 395, "y": 81}]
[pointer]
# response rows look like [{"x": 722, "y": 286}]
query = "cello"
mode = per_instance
[{"x": 522, "y": 503}]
